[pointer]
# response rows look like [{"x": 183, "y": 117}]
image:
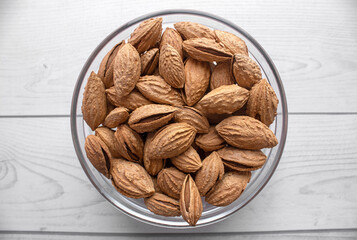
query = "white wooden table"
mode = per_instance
[{"x": 44, "y": 194}]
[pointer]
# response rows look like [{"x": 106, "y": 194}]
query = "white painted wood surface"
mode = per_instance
[
  {"x": 44, "y": 44},
  {"x": 44, "y": 193},
  {"x": 316, "y": 235},
  {"x": 43, "y": 187}
]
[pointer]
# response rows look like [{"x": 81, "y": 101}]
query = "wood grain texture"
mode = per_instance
[
  {"x": 43, "y": 187},
  {"x": 44, "y": 193},
  {"x": 43, "y": 46},
  {"x": 314, "y": 235}
]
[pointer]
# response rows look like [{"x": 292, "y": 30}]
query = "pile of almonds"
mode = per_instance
[{"x": 183, "y": 115}]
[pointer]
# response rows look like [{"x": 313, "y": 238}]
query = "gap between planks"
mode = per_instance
[{"x": 181, "y": 234}]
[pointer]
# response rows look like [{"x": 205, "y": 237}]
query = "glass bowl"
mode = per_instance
[{"x": 136, "y": 207}]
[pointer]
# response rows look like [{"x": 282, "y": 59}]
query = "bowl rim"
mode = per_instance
[{"x": 141, "y": 18}]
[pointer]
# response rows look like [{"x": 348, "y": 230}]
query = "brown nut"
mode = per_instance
[
  {"x": 170, "y": 181},
  {"x": 131, "y": 179},
  {"x": 150, "y": 117},
  {"x": 131, "y": 145}
]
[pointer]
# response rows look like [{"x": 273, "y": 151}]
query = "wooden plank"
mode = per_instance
[
  {"x": 43, "y": 187},
  {"x": 45, "y": 44},
  {"x": 333, "y": 235}
]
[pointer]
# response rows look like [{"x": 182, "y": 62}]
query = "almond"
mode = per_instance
[
  {"x": 188, "y": 161},
  {"x": 193, "y": 117},
  {"x": 131, "y": 179},
  {"x": 242, "y": 160},
  {"x": 206, "y": 50},
  {"x": 190, "y": 30},
  {"x": 212, "y": 170},
  {"x": 117, "y": 116},
  {"x": 197, "y": 76},
  {"x": 190, "y": 201},
  {"x": 225, "y": 99},
  {"x": 262, "y": 103},
  {"x": 105, "y": 71},
  {"x": 246, "y": 133},
  {"x": 154, "y": 91},
  {"x": 246, "y": 71},
  {"x": 210, "y": 141},
  {"x": 127, "y": 69},
  {"x": 107, "y": 136},
  {"x": 170, "y": 181},
  {"x": 132, "y": 101},
  {"x": 94, "y": 103},
  {"x": 171, "y": 66},
  {"x": 152, "y": 166},
  {"x": 146, "y": 35},
  {"x": 228, "y": 189},
  {"x": 171, "y": 140},
  {"x": 156, "y": 187},
  {"x": 172, "y": 37},
  {"x": 150, "y": 117},
  {"x": 231, "y": 42},
  {"x": 157, "y": 90},
  {"x": 131, "y": 145},
  {"x": 221, "y": 75},
  {"x": 149, "y": 61},
  {"x": 98, "y": 154},
  {"x": 163, "y": 205}
]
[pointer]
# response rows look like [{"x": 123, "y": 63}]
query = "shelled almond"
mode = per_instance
[{"x": 179, "y": 116}]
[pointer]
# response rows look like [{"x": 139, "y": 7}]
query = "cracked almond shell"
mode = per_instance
[
  {"x": 242, "y": 160},
  {"x": 105, "y": 71},
  {"x": 149, "y": 61},
  {"x": 225, "y": 99},
  {"x": 98, "y": 154},
  {"x": 262, "y": 103},
  {"x": 190, "y": 201},
  {"x": 206, "y": 50},
  {"x": 246, "y": 133},
  {"x": 150, "y": 117},
  {"x": 170, "y": 181},
  {"x": 228, "y": 189},
  {"x": 94, "y": 103},
  {"x": 171, "y": 140},
  {"x": 131, "y": 179},
  {"x": 131, "y": 145},
  {"x": 107, "y": 136},
  {"x": 212, "y": 170}
]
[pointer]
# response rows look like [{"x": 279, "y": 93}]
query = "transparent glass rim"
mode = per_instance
[{"x": 85, "y": 68}]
